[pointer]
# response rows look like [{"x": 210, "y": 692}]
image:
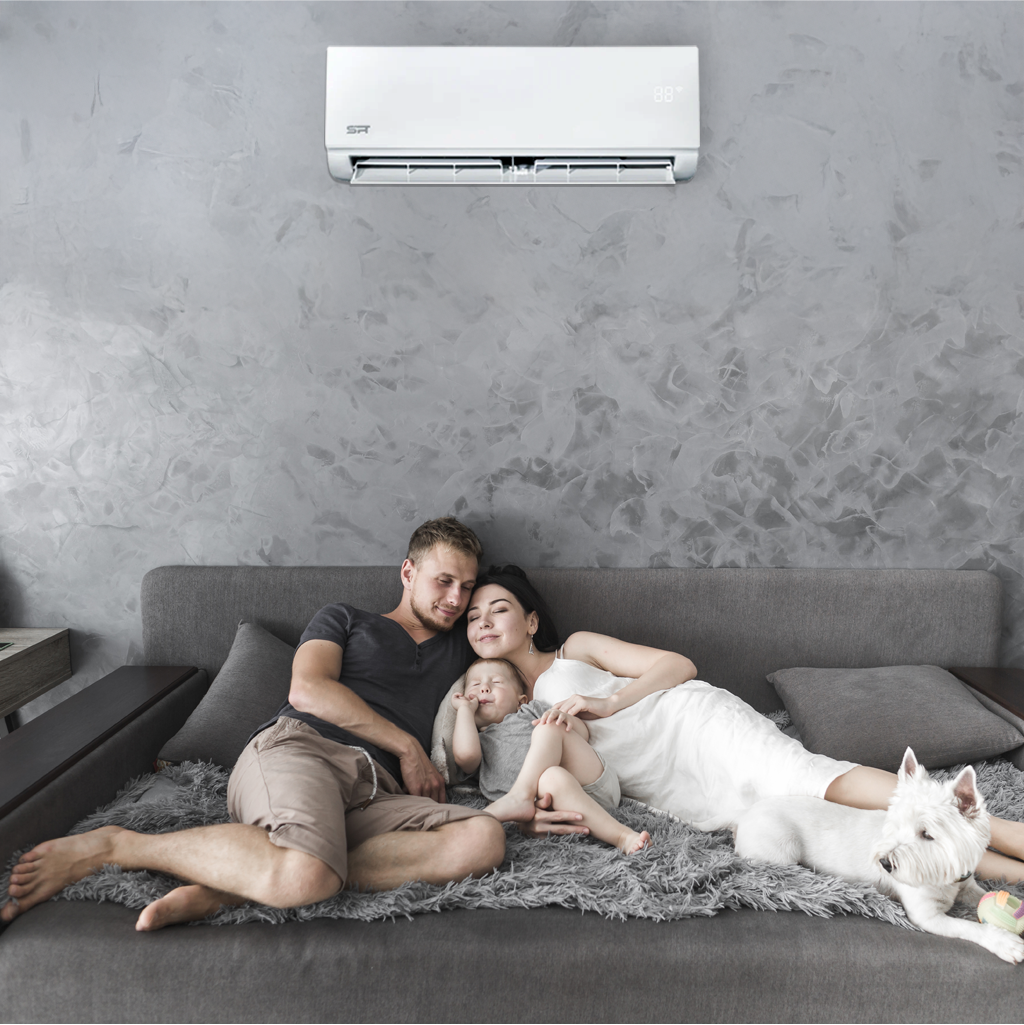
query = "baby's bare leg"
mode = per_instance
[
  {"x": 550, "y": 744},
  {"x": 578, "y": 757},
  {"x": 568, "y": 795}
]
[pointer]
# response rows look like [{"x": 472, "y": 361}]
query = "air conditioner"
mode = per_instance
[{"x": 512, "y": 115}]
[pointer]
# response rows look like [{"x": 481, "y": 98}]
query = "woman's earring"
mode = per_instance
[{"x": 530, "y": 652}]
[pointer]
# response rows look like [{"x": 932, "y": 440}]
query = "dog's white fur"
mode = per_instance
[{"x": 922, "y": 851}]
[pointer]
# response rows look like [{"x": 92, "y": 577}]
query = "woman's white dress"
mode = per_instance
[{"x": 696, "y": 751}]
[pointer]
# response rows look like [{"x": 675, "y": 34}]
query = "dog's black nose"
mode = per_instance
[{"x": 886, "y": 864}]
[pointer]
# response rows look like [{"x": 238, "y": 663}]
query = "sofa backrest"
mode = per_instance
[{"x": 737, "y": 625}]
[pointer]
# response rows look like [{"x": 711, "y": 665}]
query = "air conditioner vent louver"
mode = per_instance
[
  {"x": 512, "y": 171},
  {"x": 512, "y": 115}
]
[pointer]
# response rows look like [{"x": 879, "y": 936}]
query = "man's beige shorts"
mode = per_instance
[{"x": 306, "y": 792}]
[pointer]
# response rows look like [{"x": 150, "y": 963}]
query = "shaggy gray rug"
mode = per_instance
[{"x": 685, "y": 873}]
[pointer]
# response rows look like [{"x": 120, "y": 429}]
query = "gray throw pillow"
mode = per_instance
[
  {"x": 252, "y": 685},
  {"x": 871, "y": 716}
]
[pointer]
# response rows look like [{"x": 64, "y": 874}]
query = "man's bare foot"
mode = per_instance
[
  {"x": 511, "y": 808},
  {"x": 183, "y": 904},
  {"x": 634, "y": 842},
  {"x": 50, "y": 866}
]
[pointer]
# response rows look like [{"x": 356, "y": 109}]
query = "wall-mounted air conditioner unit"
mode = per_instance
[{"x": 509, "y": 115}]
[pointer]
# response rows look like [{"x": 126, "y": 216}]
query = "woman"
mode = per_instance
[{"x": 697, "y": 751}]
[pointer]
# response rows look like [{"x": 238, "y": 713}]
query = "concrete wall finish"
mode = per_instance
[{"x": 810, "y": 355}]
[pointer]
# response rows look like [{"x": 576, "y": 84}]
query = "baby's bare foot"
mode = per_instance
[
  {"x": 512, "y": 808},
  {"x": 183, "y": 904},
  {"x": 634, "y": 842},
  {"x": 50, "y": 866}
]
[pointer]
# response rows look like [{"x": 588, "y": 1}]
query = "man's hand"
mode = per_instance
[
  {"x": 557, "y": 822},
  {"x": 419, "y": 775}
]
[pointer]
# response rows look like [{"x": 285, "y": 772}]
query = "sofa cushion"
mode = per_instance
[
  {"x": 789, "y": 617},
  {"x": 251, "y": 686},
  {"x": 871, "y": 716},
  {"x": 83, "y": 961}
]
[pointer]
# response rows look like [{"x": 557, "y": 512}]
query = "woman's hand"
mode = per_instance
[
  {"x": 585, "y": 706},
  {"x": 558, "y": 716}
]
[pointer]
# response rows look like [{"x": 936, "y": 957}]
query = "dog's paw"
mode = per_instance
[{"x": 1004, "y": 944}]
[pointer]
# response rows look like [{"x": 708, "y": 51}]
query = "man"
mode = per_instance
[{"x": 315, "y": 797}]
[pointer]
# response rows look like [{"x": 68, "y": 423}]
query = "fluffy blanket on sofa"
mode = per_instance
[{"x": 685, "y": 873}]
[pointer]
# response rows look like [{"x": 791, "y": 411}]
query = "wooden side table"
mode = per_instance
[{"x": 35, "y": 661}]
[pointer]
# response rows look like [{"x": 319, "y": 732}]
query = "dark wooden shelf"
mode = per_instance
[
  {"x": 43, "y": 748},
  {"x": 1004, "y": 686}
]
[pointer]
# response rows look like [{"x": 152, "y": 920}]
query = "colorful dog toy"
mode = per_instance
[{"x": 1002, "y": 909}]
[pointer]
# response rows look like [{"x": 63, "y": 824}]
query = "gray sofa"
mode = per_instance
[{"x": 82, "y": 961}]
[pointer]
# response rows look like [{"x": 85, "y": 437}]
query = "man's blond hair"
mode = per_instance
[{"x": 447, "y": 532}]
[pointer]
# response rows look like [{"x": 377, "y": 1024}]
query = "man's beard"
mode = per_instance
[{"x": 441, "y": 624}]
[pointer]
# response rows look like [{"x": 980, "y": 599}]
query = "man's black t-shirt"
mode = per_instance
[{"x": 399, "y": 679}]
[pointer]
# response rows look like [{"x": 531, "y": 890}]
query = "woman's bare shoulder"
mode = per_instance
[{"x": 584, "y": 645}]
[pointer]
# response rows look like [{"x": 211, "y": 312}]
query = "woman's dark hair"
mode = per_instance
[{"x": 513, "y": 579}]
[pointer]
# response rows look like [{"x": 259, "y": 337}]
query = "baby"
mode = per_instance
[{"x": 522, "y": 752}]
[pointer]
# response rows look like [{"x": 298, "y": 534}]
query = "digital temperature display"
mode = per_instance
[{"x": 666, "y": 93}]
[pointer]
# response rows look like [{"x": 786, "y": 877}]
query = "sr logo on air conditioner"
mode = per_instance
[{"x": 358, "y": 129}]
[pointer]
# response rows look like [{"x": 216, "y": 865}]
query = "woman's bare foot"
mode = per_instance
[
  {"x": 183, "y": 904},
  {"x": 634, "y": 842},
  {"x": 512, "y": 808},
  {"x": 50, "y": 866},
  {"x": 1008, "y": 837}
]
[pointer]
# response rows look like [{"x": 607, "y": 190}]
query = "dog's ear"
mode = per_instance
[
  {"x": 965, "y": 790},
  {"x": 909, "y": 767}
]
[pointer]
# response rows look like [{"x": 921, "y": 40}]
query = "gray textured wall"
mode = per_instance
[{"x": 810, "y": 355}]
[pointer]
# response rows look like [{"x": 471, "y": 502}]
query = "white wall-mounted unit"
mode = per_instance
[{"x": 512, "y": 115}]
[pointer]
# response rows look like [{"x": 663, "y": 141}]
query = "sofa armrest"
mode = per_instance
[
  {"x": 51, "y": 743},
  {"x": 1004, "y": 686},
  {"x": 60, "y": 766}
]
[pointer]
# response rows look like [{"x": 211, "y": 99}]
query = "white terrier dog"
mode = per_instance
[{"x": 922, "y": 851}]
